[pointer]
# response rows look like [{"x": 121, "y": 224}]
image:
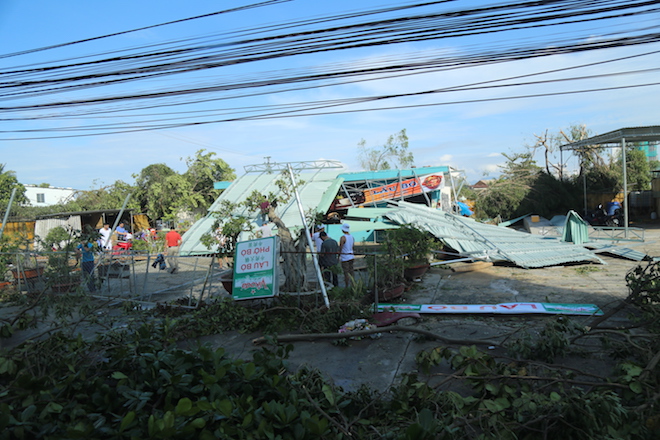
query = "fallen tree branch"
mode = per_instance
[
  {"x": 325, "y": 414},
  {"x": 536, "y": 378},
  {"x": 549, "y": 366},
  {"x": 626, "y": 336},
  {"x": 650, "y": 367},
  {"x": 389, "y": 328}
]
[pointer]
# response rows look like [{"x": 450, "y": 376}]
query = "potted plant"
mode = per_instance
[
  {"x": 61, "y": 275},
  {"x": 414, "y": 246},
  {"x": 26, "y": 267},
  {"x": 5, "y": 261},
  {"x": 387, "y": 273}
]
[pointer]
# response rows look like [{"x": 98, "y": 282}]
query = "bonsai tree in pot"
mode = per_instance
[
  {"x": 387, "y": 274},
  {"x": 414, "y": 246}
]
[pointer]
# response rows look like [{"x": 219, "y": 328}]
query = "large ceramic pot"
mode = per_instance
[
  {"x": 415, "y": 272},
  {"x": 391, "y": 293},
  {"x": 227, "y": 280}
]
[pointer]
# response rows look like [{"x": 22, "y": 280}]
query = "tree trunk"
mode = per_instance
[{"x": 293, "y": 254}]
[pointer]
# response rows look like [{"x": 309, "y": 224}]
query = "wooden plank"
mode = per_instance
[{"x": 470, "y": 267}]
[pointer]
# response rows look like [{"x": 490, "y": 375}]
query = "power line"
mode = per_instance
[{"x": 30, "y": 93}]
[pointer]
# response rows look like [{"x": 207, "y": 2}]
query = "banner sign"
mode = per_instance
[
  {"x": 255, "y": 269},
  {"x": 504, "y": 308},
  {"x": 405, "y": 188}
]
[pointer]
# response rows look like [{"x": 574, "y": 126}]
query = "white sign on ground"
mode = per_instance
[
  {"x": 255, "y": 269},
  {"x": 504, "y": 308}
]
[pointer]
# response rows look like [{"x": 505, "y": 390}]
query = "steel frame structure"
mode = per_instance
[{"x": 616, "y": 139}]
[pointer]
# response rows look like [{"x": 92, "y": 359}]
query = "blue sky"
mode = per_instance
[{"x": 470, "y": 135}]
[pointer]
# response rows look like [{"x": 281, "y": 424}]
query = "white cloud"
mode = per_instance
[{"x": 492, "y": 168}]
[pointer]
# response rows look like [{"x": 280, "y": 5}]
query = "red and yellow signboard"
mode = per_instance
[{"x": 405, "y": 188}]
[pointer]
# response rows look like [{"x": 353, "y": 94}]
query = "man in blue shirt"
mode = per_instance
[
  {"x": 121, "y": 232},
  {"x": 85, "y": 249}
]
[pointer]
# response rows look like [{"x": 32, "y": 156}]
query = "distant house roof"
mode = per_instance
[
  {"x": 482, "y": 184},
  {"x": 99, "y": 211}
]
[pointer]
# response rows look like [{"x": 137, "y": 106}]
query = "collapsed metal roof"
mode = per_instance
[
  {"x": 489, "y": 242},
  {"x": 317, "y": 189},
  {"x": 319, "y": 186}
]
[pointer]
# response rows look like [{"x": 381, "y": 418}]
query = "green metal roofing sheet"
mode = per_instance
[
  {"x": 619, "y": 251},
  {"x": 221, "y": 185},
  {"x": 512, "y": 221},
  {"x": 316, "y": 192},
  {"x": 367, "y": 212},
  {"x": 473, "y": 239},
  {"x": 576, "y": 230}
]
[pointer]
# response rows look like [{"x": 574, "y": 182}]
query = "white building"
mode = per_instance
[{"x": 46, "y": 196}]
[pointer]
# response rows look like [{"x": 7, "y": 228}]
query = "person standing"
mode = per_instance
[
  {"x": 264, "y": 206},
  {"x": 105, "y": 242},
  {"x": 328, "y": 258},
  {"x": 316, "y": 237},
  {"x": 85, "y": 249},
  {"x": 346, "y": 255},
  {"x": 173, "y": 241}
]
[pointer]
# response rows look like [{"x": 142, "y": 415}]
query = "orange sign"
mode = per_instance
[{"x": 405, "y": 188}]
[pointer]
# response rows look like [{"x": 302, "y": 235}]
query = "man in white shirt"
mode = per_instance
[
  {"x": 105, "y": 242},
  {"x": 316, "y": 237},
  {"x": 346, "y": 255}
]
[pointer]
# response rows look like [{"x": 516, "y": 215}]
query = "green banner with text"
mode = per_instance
[{"x": 255, "y": 269}]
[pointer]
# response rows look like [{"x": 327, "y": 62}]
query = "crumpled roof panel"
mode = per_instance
[
  {"x": 473, "y": 239},
  {"x": 316, "y": 191}
]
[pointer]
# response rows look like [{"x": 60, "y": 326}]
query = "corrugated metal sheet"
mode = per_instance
[
  {"x": 329, "y": 195},
  {"x": 43, "y": 226},
  {"x": 618, "y": 251},
  {"x": 489, "y": 242},
  {"x": 367, "y": 212},
  {"x": 360, "y": 230},
  {"x": 575, "y": 230},
  {"x": 221, "y": 185},
  {"x": 313, "y": 194},
  {"x": 512, "y": 221}
]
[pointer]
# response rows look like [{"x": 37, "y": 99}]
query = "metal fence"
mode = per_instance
[{"x": 122, "y": 276}]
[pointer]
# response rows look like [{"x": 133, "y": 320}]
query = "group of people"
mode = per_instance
[
  {"x": 85, "y": 250},
  {"x": 105, "y": 241},
  {"x": 331, "y": 254}
]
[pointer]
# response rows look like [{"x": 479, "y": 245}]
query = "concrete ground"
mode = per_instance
[{"x": 379, "y": 363}]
